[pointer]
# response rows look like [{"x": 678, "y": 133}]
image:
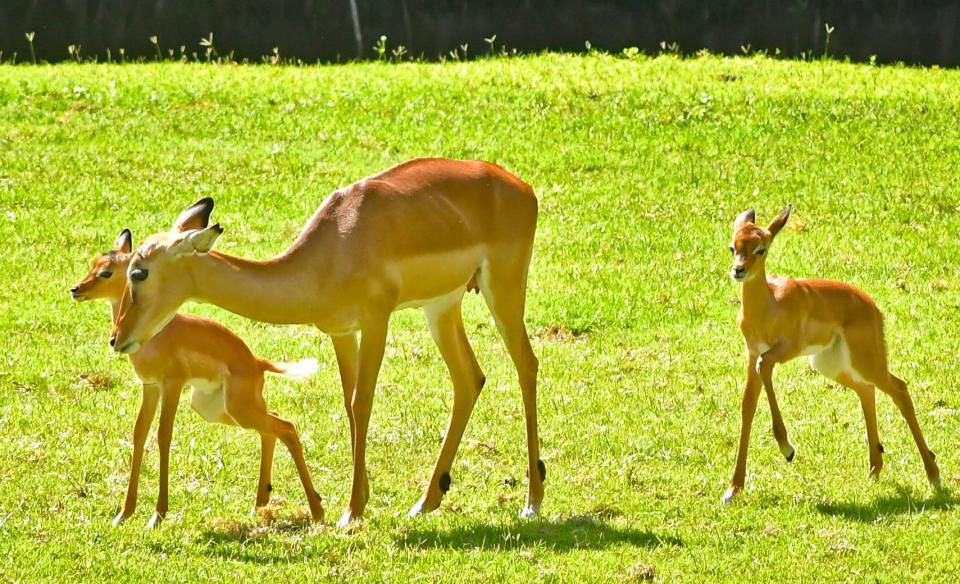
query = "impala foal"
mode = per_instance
[
  {"x": 227, "y": 382},
  {"x": 417, "y": 235},
  {"x": 837, "y": 325}
]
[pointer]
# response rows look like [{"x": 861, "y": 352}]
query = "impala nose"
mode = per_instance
[
  {"x": 113, "y": 341},
  {"x": 739, "y": 272},
  {"x": 74, "y": 289}
]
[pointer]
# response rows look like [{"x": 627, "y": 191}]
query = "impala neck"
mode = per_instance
[
  {"x": 282, "y": 290},
  {"x": 757, "y": 296}
]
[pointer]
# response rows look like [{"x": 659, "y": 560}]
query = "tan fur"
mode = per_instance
[{"x": 418, "y": 234}]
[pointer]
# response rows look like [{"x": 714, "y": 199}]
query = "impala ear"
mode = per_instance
[
  {"x": 779, "y": 221},
  {"x": 197, "y": 240},
  {"x": 742, "y": 219},
  {"x": 124, "y": 242},
  {"x": 197, "y": 216}
]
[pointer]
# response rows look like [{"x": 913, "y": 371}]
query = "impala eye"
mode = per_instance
[
  {"x": 732, "y": 249},
  {"x": 761, "y": 251},
  {"x": 105, "y": 274},
  {"x": 139, "y": 274}
]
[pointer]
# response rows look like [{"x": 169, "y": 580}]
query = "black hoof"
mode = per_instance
[
  {"x": 792, "y": 454},
  {"x": 880, "y": 448},
  {"x": 445, "y": 482},
  {"x": 543, "y": 470}
]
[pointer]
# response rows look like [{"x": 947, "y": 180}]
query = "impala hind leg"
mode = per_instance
[
  {"x": 504, "y": 289},
  {"x": 896, "y": 388},
  {"x": 244, "y": 403},
  {"x": 268, "y": 444},
  {"x": 868, "y": 402},
  {"x": 148, "y": 408},
  {"x": 446, "y": 327}
]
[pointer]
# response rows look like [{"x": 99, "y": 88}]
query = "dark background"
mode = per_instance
[{"x": 912, "y": 31}]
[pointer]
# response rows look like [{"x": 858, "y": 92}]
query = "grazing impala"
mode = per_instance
[
  {"x": 837, "y": 325},
  {"x": 417, "y": 235},
  {"x": 227, "y": 382}
]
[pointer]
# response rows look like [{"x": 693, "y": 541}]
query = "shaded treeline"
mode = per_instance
[{"x": 913, "y": 31}]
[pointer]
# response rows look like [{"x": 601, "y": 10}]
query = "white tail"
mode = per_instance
[{"x": 302, "y": 369}]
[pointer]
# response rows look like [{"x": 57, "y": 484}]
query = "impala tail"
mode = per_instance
[{"x": 299, "y": 370}]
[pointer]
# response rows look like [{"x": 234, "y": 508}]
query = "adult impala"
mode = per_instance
[
  {"x": 226, "y": 380},
  {"x": 417, "y": 235},
  {"x": 837, "y": 325}
]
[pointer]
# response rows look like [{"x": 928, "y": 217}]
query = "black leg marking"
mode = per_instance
[
  {"x": 932, "y": 455},
  {"x": 445, "y": 482},
  {"x": 792, "y": 454},
  {"x": 543, "y": 470},
  {"x": 483, "y": 381},
  {"x": 269, "y": 487},
  {"x": 880, "y": 448}
]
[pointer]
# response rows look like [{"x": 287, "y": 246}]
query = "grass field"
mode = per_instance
[{"x": 641, "y": 166}]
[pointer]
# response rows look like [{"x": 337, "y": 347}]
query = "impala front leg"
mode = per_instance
[
  {"x": 748, "y": 408},
  {"x": 372, "y": 342},
  {"x": 347, "y": 354},
  {"x": 170, "y": 395},
  {"x": 148, "y": 408}
]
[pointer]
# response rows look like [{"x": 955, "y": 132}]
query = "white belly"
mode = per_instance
[
  {"x": 833, "y": 360},
  {"x": 207, "y": 399}
]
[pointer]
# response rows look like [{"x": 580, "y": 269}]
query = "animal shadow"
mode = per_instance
[
  {"x": 904, "y": 502},
  {"x": 572, "y": 533}
]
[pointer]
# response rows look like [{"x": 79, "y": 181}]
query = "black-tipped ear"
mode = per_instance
[
  {"x": 747, "y": 216},
  {"x": 124, "y": 242},
  {"x": 779, "y": 221},
  {"x": 197, "y": 216}
]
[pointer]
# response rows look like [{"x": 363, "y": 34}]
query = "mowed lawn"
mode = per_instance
[{"x": 641, "y": 166}]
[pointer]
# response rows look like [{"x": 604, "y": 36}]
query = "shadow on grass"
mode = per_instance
[
  {"x": 573, "y": 533},
  {"x": 904, "y": 502}
]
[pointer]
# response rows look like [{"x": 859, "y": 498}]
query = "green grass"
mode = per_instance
[{"x": 641, "y": 166}]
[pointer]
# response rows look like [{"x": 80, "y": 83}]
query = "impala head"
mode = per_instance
[
  {"x": 155, "y": 287},
  {"x": 751, "y": 242},
  {"x": 108, "y": 274}
]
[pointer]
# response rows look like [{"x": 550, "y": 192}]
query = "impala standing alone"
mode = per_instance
[
  {"x": 836, "y": 324},
  {"x": 417, "y": 235}
]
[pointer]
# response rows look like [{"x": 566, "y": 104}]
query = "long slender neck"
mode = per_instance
[
  {"x": 757, "y": 297},
  {"x": 283, "y": 290}
]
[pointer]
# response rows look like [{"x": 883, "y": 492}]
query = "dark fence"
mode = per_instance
[{"x": 913, "y": 31}]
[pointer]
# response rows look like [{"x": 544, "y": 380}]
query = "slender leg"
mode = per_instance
[
  {"x": 897, "y": 390},
  {"x": 244, "y": 402},
  {"x": 779, "y": 429},
  {"x": 268, "y": 443},
  {"x": 347, "y": 352},
  {"x": 868, "y": 402},
  {"x": 748, "y": 408},
  {"x": 446, "y": 327},
  {"x": 372, "y": 342},
  {"x": 504, "y": 289},
  {"x": 170, "y": 396},
  {"x": 148, "y": 408}
]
